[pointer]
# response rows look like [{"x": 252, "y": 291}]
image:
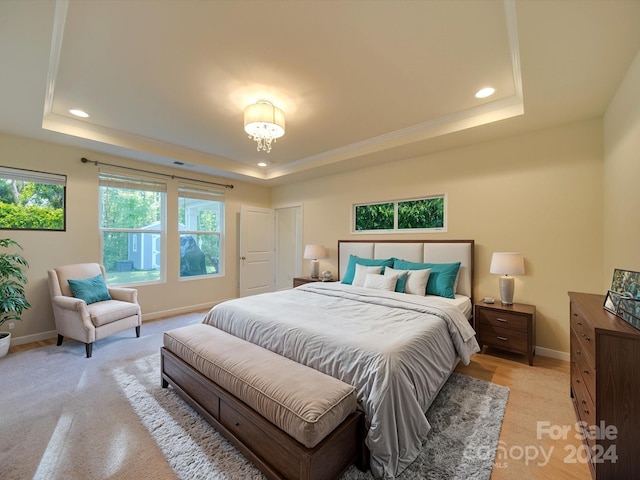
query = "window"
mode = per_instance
[
  {"x": 132, "y": 226},
  {"x": 201, "y": 226},
  {"x": 32, "y": 200},
  {"x": 422, "y": 214}
]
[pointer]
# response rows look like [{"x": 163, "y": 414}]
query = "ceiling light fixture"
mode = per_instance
[
  {"x": 262, "y": 164},
  {"x": 485, "y": 92},
  {"x": 78, "y": 113},
  {"x": 264, "y": 122}
]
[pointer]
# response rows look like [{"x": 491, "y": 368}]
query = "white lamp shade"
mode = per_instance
[
  {"x": 264, "y": 117},
  {"x": 313, "y": 252},
  {"x": 507, "y": 263}
]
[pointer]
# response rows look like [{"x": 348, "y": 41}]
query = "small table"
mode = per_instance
[
  {"x": 297, "y": 281},
  {"x": 507, "y": 327}
]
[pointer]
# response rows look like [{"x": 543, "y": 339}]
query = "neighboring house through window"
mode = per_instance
[{"x": 132, "y": 226}]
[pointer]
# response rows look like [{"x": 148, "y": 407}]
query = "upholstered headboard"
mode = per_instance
[{"x": 432, "y": 251}]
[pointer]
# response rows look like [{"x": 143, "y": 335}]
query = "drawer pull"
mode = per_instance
[
  {"x": 237, "y": 424},
  {"x": 501, "y": 320},
  {"x": 586, "y": 411},
  {"x": 579, "y": 323},
  {"x": 504, "y": 339},
  {"x": 586, "y": 372},
  {"x": 577, "y": 352},
  {"x": 586, "y": 337},
  {"x": 577, "y": 380}
]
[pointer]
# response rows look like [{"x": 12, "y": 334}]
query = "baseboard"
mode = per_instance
[
  {"x": 547, "y": 352},
  {"x": 36, "y": 337},
  {"x": 203, "y": 307}
]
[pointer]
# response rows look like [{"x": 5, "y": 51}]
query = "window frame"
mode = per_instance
[
  {"x": 211, "y": 194},
  {"x": 395, "y": 228},
  {"x": 38, "y": 177},
  {"x": 153, "y": 185}
]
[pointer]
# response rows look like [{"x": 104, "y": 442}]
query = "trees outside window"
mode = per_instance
[
  {"x": 132, "y": 226},
  {"x": 31, "y": 200},
  {"x": 200, "y": 222},
  {"x": 422, "y": 214}
]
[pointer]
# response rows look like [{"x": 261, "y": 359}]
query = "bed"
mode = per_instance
[{"x": 397, "y": 349}]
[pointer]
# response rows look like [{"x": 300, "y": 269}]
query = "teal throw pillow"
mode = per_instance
[
  {"x": 91, "y": 290},
  {"x": 368, "y": 262},
  {"x": 442, "y": 278}
]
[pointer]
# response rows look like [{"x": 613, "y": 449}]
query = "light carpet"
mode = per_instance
[{"x": 108, "y": 417}]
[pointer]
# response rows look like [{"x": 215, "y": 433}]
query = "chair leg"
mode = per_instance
[
  {"x": 138, "y": 331},
  {"x": 89, "y": 348},
  {"x": 60, "y": 338}
]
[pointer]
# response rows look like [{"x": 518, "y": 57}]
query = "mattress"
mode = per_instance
[{"x": 396, "y": 349}]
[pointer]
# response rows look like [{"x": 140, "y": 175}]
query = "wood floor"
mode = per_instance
[{"x": 539, "y": 407}]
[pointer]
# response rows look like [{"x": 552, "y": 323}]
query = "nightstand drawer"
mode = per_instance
[
  {"x": 503, "y": 338},
  {"x": 502, "y": 319}
]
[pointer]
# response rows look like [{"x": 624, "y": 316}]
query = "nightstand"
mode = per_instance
[
  {"x": 297, "y": 281},
  {"x": 507, "y": 327}
]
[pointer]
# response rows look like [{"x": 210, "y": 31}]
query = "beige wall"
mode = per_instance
[
  {"x": 539, "y": 193},
  {"x": 81, "y": 242},
  {"x": 622, "y": 177}
]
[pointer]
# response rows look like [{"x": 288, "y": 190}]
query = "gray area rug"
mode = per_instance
[
  {"x": 466, "y": 418},
  {"x": 65, "y": 417}
]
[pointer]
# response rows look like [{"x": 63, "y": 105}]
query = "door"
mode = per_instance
[
  {"x": 257, "y": 245},
  {"x": 288, "y": 245}
]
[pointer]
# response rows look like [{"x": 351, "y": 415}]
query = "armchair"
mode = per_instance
[{"x": 90, "y": 322}]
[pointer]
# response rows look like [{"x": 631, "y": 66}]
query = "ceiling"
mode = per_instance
[{"x": 360, "y": 82}]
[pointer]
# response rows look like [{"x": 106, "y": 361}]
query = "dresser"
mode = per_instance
[
  {"x": 605, "y": 387},
  {"x": 507, "y": 327}
]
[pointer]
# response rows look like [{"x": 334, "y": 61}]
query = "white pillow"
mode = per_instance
[
  {"x": 381, "y": 282},
  {"x": 416, "y": 280},
  {"x": 361, "y": 274}
]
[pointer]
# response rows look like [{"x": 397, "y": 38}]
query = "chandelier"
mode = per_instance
[{"x": 264, "y": 123}]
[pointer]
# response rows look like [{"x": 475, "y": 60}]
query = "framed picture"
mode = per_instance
[
  {"x": 626, "y": 283},
  {"x": 623, "y": 300},
  {"x": 611, "y": 302}
]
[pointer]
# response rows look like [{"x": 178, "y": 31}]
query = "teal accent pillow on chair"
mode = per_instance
[
  {"x": 442, "y": 278},
  {"x": 91, "y": 290}
]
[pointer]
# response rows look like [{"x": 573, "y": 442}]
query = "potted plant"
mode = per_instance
[{"x": 12, "y": 283}]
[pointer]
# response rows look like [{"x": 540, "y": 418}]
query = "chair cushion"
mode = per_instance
[
  {"x": 91, "y": 290},
  {"x": 111, "y": 311},
  {"x": 305, "y": 403}
]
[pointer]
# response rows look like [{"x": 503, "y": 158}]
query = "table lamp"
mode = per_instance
[
  {"x": 313, "y": 253},
  {"x": 505, "y": 264}
]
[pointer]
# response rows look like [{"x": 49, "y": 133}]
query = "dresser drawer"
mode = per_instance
[
  {"x": 582, "y": 356},
  {"x": 583, "y": 329},
  {"x": 505, "y": 338},
  {"x": 503, "y": 319},
  {"x": 584, "y": 404}
]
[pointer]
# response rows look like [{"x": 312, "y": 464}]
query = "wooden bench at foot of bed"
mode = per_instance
[{"x": 290, "y": 420}]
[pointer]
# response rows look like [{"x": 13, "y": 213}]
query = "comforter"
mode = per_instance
[{"x": 396, "y": 349}]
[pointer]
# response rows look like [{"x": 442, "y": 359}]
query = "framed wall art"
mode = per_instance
[{"x": 623, "y": 299}]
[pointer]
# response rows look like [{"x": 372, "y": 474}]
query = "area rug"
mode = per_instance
[{"x": 466, "y": 418}]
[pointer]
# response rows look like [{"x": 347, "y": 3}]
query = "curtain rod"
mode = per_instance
[{"x": 96, "y": 163}]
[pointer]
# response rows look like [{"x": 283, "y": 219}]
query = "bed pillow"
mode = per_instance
[
  {"x": 369, "y": 262},
  {"x": 402, "y": 277},
  {"x": 442, "y": 278},
  {"x": 381, "y": 282},
  {"x": 415, "y": 282},
  {"x": 91, "y": 290},
  {"x": 361, "y": 274}
]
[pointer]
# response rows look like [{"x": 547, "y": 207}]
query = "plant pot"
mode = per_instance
[{"x": 5, "y": 341}]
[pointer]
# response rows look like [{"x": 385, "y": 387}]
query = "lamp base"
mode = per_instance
[
  {"x": 315, "y": 268},
  {"x": 506, "y": 289}
]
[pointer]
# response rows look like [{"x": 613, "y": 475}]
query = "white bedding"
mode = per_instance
[{"x": 396, "y": 349}]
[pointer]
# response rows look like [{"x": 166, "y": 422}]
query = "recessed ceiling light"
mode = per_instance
[
  {"x": 262, "y": 164},
  {"x": 485, "y": 92},
  {"x": 78, "y": 113}
]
